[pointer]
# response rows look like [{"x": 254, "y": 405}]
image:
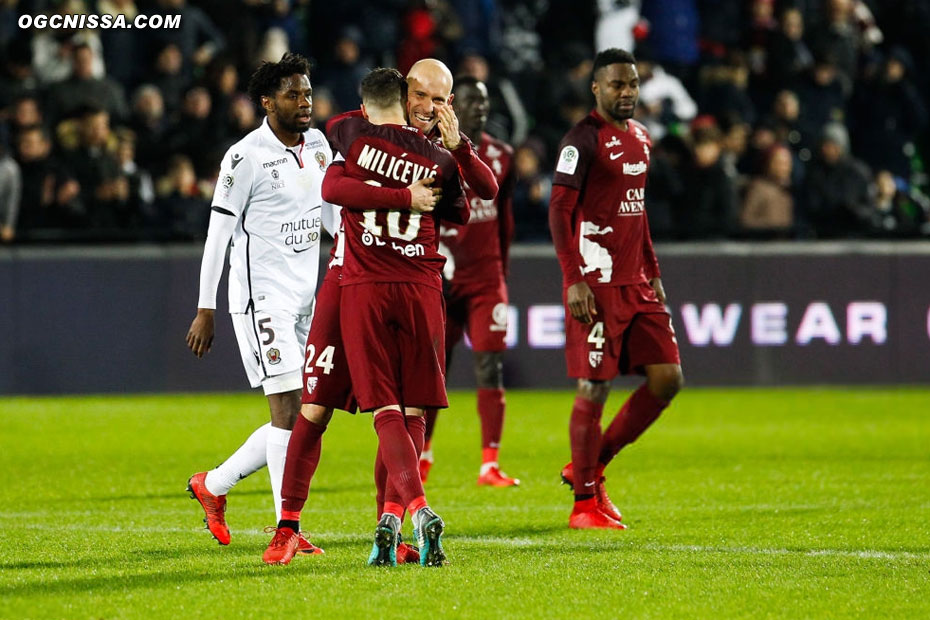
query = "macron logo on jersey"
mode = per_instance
[
  {"x": 392, "y": 167},
  {"x": 634, "y": 169}
]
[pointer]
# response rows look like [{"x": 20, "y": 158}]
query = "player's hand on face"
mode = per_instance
[
  {"x": 448, "y": 126},
  {"x": 423, "y": 196},
  {"x": 581, "y": 302},
  {"x": 200, "y": 334},
  {"x": 656, "y": 284}
]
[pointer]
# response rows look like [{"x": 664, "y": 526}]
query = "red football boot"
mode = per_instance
[
  {"x": 494, "y": 477},
  {"x": 214, "y": 507},
  {"x": 282, "y": 547},
  {"x": 603, "y": 501},
  {"x": 407, "y": 554},
  {"x": 593, "y": 520},
  {"x": 568, "y": 475},
  {"x": 305, "y": 547}
]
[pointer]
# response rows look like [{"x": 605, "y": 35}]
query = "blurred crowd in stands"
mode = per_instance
[{"x": 771, "y": 119}]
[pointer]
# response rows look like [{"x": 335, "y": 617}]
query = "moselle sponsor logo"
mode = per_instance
[
  {"x": 72, "y": 21},
  {"x": 634, "y": 169},
  {"x": 277, "y": 162}
]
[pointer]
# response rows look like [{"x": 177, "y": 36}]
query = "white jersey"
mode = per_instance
[{"x": 274, "y": 192}]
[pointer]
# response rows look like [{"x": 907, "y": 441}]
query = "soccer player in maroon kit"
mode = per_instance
[
  {"x": 612, "y": 284},
  {"x": 476, "y": 294},
  {"x": 327, "y": 384}
]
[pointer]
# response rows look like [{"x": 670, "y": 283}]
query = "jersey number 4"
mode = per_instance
[
  {"x": 324, "y": 361},
  {"x": 596, "y": 336}
]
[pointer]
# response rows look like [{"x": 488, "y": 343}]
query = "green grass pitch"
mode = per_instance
[{"x": 741, "y": 503}]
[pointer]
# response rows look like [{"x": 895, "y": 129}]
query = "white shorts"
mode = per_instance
[{"x": 271, "y": 343}]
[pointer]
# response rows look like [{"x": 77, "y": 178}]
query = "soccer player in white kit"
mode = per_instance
[{"x": 267, "y": 201}]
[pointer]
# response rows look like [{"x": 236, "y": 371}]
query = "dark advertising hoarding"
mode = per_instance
[{"x": 113, "y": 320}]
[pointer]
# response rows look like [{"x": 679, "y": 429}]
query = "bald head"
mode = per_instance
[{"x": 429, "y": 84}]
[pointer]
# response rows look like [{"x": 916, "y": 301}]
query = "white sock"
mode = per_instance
[
  {"x": 427, "y": 455},
  {"x": 276, "y": 454},
  {"x": 486, "y": 467},
  {"x": 248, "y": 459}
]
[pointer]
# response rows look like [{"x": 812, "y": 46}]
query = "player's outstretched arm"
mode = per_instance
[
  {"x": 341, "y": 189},
  {"x": 200, "y": 335}
]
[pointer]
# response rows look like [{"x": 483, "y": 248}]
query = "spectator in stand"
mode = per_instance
[
  {"x": 324, "y": 108},
  {"x": 665, "y": 189},
  {"x": 663, "y": 99},
  {"x": 759, "y": 34},
  {"x": 788, "y": 55},
  {"x": 431, "y": 28},
  {"x": 93, "y": 163},
  {"x": 242, "y": 117},
  {"x": 887, "y": 115},
  {"x": 53, "y": 49},
  {"x": 197, "y": 38},
  {"x": 768, "y": 206},
  {"x": 182, "y": 208},
  {"x": 616, "y": 20},
  {"x": 11, "y": 185},
  {"x": 150, "y": 126},
  {"x": 194, "y": 132},
  {"x": 169, "y": 77},
  {"x": 899, "y": 211},
  {"x": 51, "y": 196},
  {"x": 846, "y": 31},
  {"x": 343, "y": 76},
  {"x": 25, "y": 112},
  {"x": 121, "y": 46},
  {"x": 531, "y": 192},
  {"x": 838, "y": 202},
  {"x": 674, "y": 26},
  {"x": 507, "y": 116},
  {"x": 822, "y": 95},
  {"x": 82, "y": 89},
  {"x": 17, "y": 79},
  {"x": 140, "y": 191},
  {"x": 708, "y": 209},
  {"x": 222, "y": 82},
  {"x": 723, "y": 89}
]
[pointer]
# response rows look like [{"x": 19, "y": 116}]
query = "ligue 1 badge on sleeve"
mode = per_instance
[
  {"x": 320, "y": 159},
  {"x": 274, "y": 356},
  {"x": 228, "y": 181}
]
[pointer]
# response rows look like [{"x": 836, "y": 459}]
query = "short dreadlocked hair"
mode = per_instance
[
  {"x": 266, "y": 80},
  {"x": 384, "y": 88},
  {"x": 612, "y": 56}
]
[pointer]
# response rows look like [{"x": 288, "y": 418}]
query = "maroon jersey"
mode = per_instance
[
  {"x": 610, "y": 231},
  {"x": 395, "y": 245},
  {"x": 478, "y": 250}
]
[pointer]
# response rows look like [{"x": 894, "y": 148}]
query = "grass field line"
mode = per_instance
[{"x": 526, "y": 542}]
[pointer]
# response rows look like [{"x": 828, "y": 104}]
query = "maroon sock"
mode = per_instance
[
  {"x": 416, "y": 427},
  {"x": 491, "y": 405},
  {"x": 584, "y": 431},
  {"x": 399, "y": 454},
  {"x": 640, "y": 410},
  {"x": 303, "y": 455},
  {"x": 381, "y": 477},
  {"x": 430, "y": 422}
]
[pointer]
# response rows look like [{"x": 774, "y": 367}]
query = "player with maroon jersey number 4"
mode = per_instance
[{"x": 612, "y": 286}]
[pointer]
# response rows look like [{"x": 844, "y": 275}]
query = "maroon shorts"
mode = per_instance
[
  {"x": 631, "y": 330},
  {"x": 326, "y": 372},
  {"x": 481, "y": 313},
  {"x": 395, "y": 344}
]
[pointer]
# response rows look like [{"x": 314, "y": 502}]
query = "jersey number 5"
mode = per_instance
[{"x": 324, "y": 361}]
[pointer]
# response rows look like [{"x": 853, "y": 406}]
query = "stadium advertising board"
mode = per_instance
[{"x": 81, "y": 321}]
